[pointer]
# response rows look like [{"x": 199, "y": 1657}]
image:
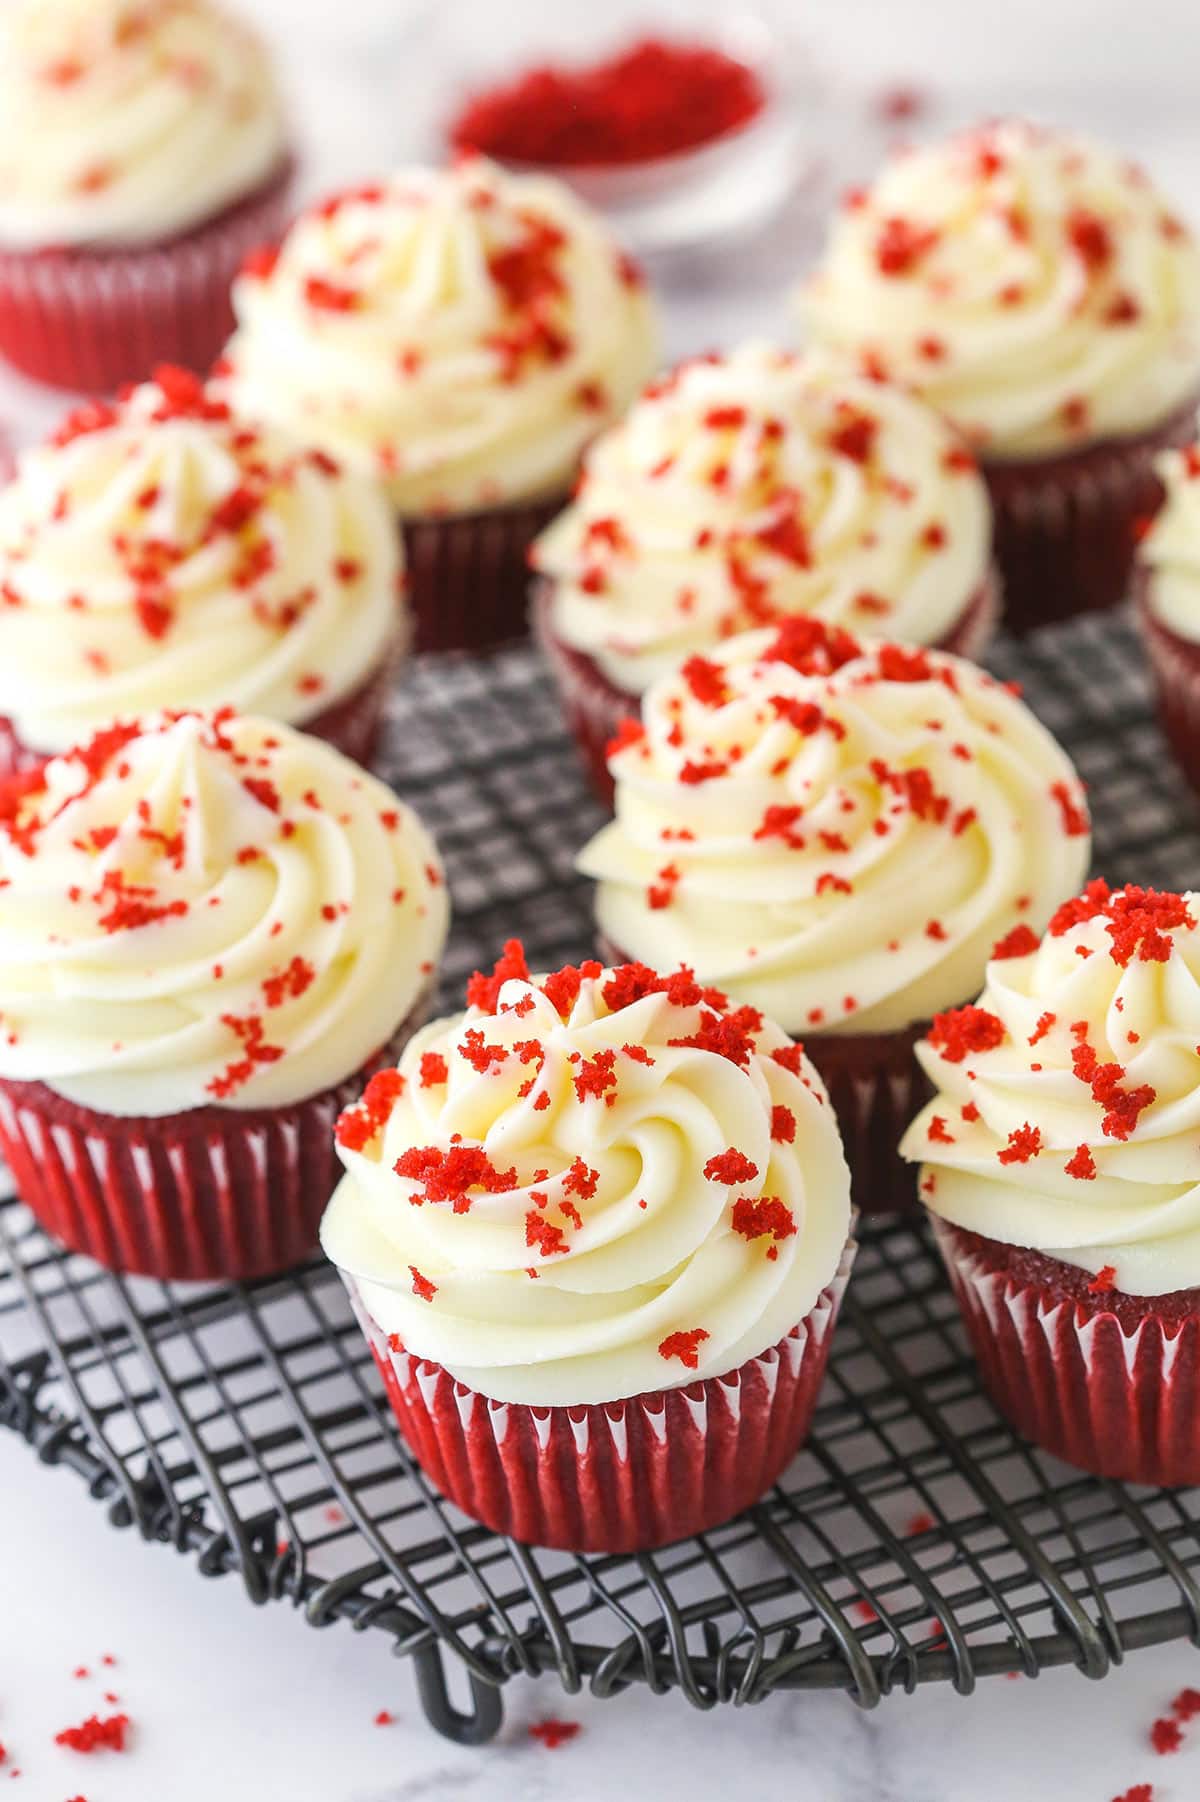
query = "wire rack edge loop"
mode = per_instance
[{"x": 916, "y": 1539}]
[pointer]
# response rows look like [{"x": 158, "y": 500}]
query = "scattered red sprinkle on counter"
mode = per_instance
[
  {"x": 383, "y": 1718},
  {"x": 1186, "y": 1704},
  {"x": 920, "y": 1523},
  {"x": 553, "y": 1733},
  {"x": 1141, "y": 1792},
  {"x": 96, "y": 1735},
  {"x": 1166, "y": 1736}
]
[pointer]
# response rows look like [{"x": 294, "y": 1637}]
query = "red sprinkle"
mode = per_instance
[
  {"x": 95, "y": 1735},
  {"x": 730, "y": 1167},
  {"x": 1104, "y": 1280},
  {"x": 1166, "y": 1736},
  {"x": 552, "y": 1733},
  {"x": 684, "y": 1346},
  {"x": 963, "y": 1030},
  {"x": 1017, "y": 943}
]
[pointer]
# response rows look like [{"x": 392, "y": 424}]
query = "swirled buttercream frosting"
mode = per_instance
[
  {"x": 743, "y": 488},
  {"x": 463, "y": 333},
  {"x": 591, "y": 1185},
  {"x": 206, "y": 909},
  {"x": 1170, "y": 551},
  {"x": 163, "y": 551},
  {"x": 832, "y": 829},
  {"x": 1031, "y": 285},
  {"x": 1067, "y": 1112}
]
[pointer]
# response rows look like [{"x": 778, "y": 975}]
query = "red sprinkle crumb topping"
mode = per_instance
[
  {"x": 1081, "y": 1165},
  {"x": 963, "y": 1030},
  {"x": 684, "y": 1345},
  {"x": 1024, "y": 1142},
  {"x": 730, "y": 1167},
  {"x": 753, "y": 1217},
  {"x": 358, "y": 1125},
  {"x": 1104, "y": 1280},
  {"x": 1137, "y": 920},
  {"x": 1018, "y": 943}
]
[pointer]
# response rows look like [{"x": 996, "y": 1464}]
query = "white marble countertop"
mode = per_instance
[{"x": 252, "y": 1706}]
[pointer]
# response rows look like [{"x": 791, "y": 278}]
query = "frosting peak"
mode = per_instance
[
  {"x": 1067, "y": 1116},
  {"x": 834, "y": 830},
  {"x": 1031, "y": 285},
  {"x": 162, "y": 549},
  {"x": 591, "y": 1185},
  {"x": 128, "y": 122},
  {"x": 746, "y": 487},
  {"x": 462, "y": 333},
  {"x": 203, "y": 909},
  {"x": 1170, "y": 552}
]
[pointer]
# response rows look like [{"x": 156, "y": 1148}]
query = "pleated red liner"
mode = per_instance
[
  {"x": 594, "y": 707},
  {"x": 1066, "y": 527},
  {"x": 1110, "y": 1384},
  {"x": 618, "y": 1477},
  {"x": 1175, "y": 664},
  {"x": 468, "y": 574},
  {"x": 95, "y": 319},
  {"x": 212, "y": 1194}
]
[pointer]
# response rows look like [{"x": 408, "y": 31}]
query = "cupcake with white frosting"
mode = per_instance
[
  {"x": 1037, "y": 289},
  {"x": 164, "y": 551},
  {"x": 145, "y": 152},
  {"x": 1167, "y": 589},
  {"x": 838, "y": 832},
  {"x": 462, "y": 334},
  {"x": 745, "y": 488},
  {"x": 1060, "y": 1161},
  {"x": 212, "y": 929},
  {"x": 596, "y": 1230}
]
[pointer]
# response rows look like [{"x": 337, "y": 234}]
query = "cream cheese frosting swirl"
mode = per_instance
[
  {"x": 461, "y": 332},
  {"x": 1170, "y": 551},
  {"x": 128, "y": 122},
  {"x": 165, "y": 552},
  {"x": 833, "y": 830},
  {"x": 205, "y": 909},
  {"x": 746, "y": 487},
  {"x": 1067, "y": 1113},
  {"x": 1033, "y": 286},
  {"x": 590, "y": 1186}
]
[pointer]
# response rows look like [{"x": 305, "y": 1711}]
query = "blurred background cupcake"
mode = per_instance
[
  {"x": 1167, "y": 587},
  {"x": 744, "y": 488},
  {"x": 165, "y": 552},
  {"x": 461, "y": 334},
  {"x": 839, "y": 834},
  {"x": 596, "y": 1230},
  {"x": 1060, "y": 1162},
  {"x": 1037, "y": 289},
  {"x": 145, "y": 151},
  {"x": 212, "y": 930}
]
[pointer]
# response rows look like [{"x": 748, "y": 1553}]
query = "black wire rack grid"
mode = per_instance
[{"x": 915, "y": 1539}]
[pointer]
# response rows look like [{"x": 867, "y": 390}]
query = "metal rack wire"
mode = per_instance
[{"x": 915, "y": 1539}]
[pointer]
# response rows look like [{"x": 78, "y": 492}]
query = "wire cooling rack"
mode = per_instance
[{"x": 915, "y": 1539}]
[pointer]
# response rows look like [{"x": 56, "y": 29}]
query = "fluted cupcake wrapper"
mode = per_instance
[
  {"x": 1116, "y": 1401},
  {"x": 468, "y": 574},
  {"x": 1175, "y": 663},
  {"x": 1066, "y": 527},
  {"x": 213, "y": 1194},
  {"x": 877, "y": 1087},
  {"x": 594, "y": 707},
  {"x": 97, "y": 319},
  {"x": 623, "y": 1476}
]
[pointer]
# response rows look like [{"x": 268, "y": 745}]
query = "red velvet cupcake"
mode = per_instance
[
  {"x": 602, "y": 1310},
  {"x": 164, "y": 551},
  {"x": 473, "y": 394},
  {"x": 1061, "y": 1162},
  {"x": 1167, "y": 590},
  {"x": 748, "y": 488},
  {"x": 1036, "y": 289},
  {"x": 148, "y": 155},
  {"x": 212, "y": 930},
  {"x": 838, "y": 832}
]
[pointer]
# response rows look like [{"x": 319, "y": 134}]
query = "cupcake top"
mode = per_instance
[
  {"x": 128, "y": 122},
  {"x": 461, "y": 332},
  {"x": 747, "y": 487},
  {"x": 591, "y": 1185},
  {"x": 162, "y": 550},
  {"x": 205, "y": 909},
  {"x": 1067, "y": 1113},
  {"x": 834, "y": 830},
  {"x": 1032, "y": 285},
  {"x": 1170, "y": 551}
]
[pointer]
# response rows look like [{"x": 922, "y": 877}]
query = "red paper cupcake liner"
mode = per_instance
[
  {"x": 96, "y": 319},
  {"x": 1066, "y": 527},
  {"x": 352, "y": 725},
  {"x": 212, "y": 1194},
  {"x": 876, "y": 1087},
  {"x": 1108, "y": 1382},
  {"x": 594, "y": 707},
  {"x": 1175, "y": 663},
  {"x": 620, "y": 1477},
  {"x": 468, "y": 575}
]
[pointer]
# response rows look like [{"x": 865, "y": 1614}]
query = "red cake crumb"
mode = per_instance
[
  {"x": 483, "y": 991},
  {"x": 552, "y": 1733},
  {"x": 96, "y": 1735},
  {"x": 1104, "y": 1280},
  {"x": 730, "y": 1167},
  {"x": 1166, "y": 1736},
  {"x": 963, "y": 1030},
  {"x": 423, "y": 1289},
  {"x": 1017, "y": 943},
  {"x": 768, "y": 1214},
  {"x": 1081, "y": 1165},
  {"x": 383, "y": 1718},
  {"x": 450, "y": 1175},
  {"x": 920, "y": 1523},
  {"x": 684, "y": 1346},
  {"x": 433, "y": 1069},
  {"x": 1186, "y": 1704},
  {"x": 1141, "y": 1792},
  {"x": 358, "y": 1125},
  {"x": 783, "y": 1125},
  {"x": 1024, "y": 1143}
]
